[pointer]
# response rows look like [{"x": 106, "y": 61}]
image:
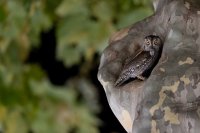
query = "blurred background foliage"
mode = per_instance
[{"x": 29, "y": 102}]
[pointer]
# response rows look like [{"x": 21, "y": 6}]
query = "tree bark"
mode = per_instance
[{"x": 168, "y": 100}]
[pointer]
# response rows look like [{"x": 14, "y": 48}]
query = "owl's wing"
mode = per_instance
[
  {"x": 132, "y": 68},
  {"x": 138, "y": 63}
]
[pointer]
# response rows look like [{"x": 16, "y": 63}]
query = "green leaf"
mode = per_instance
[
  {"x": 2, "y": 13},
  {"x": 68, "y": 7},
  {"x": 39, "y": 21},
  {"x": 103, "y": 11},
  {"x": 134, "y": 16}
]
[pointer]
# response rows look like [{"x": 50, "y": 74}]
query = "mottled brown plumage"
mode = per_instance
[{"x": 142, "y": 62}]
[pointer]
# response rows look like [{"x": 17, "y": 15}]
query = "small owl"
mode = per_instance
[{"x": 143, "y": 62}]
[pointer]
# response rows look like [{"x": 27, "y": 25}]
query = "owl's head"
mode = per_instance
[{"x": 152, "y": 42}]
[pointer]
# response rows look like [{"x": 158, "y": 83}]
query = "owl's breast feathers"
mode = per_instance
[{"x": 137, "y": 66}]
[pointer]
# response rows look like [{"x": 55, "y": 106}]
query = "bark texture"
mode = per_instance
[{"x": 168, "y": 100}]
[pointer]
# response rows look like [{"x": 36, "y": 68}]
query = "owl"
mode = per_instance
[{"x": 141, "y": 65}]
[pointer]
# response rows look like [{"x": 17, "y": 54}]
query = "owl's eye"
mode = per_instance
[
  {"x": 156, "y": 41},
  {"x": 147, "y": 42}
]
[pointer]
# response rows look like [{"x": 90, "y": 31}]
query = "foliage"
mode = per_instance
[
  {"x": 28, "y": 101},
  {"x": 84, "y": 27}
]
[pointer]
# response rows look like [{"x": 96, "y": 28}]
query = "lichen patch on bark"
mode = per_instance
[
  {"x": 185, "y": 80},
  {"x": 162, "y": 96},
  {"x": 189, "y": 60},
  {"x": 170, "y": 116},
  {"x": 153, "y": 127},
  {"x": 162, "y": 69}
]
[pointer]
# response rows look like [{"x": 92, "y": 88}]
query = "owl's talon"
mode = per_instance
[{"x": 141, "y": 77}]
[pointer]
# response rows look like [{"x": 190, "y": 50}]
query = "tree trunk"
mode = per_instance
[{"x": 168, "y": 100}]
